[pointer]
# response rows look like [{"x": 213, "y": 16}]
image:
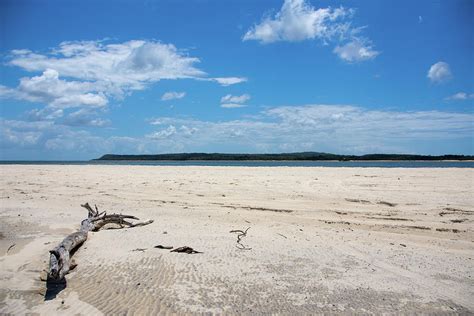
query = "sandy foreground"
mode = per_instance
[{"x": 341, "y": 240}]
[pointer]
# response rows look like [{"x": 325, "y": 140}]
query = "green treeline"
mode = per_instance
[{"x": 283, "y": 156}]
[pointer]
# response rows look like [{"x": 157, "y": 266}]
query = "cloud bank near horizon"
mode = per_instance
[{"x": 330, "y": 128}]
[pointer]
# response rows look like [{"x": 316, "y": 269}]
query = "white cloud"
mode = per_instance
[
  {"x": 227, "y": 81},
  {"x": 40, "y": 139},
  {"x": 330, "y": 128},
  {"x": 298, "y": 20},
  {"x": 7, "y": 93},
  {"x": 44, "y": 114},
  {"x": 439, "y": 72},
  {"x": 87, "y": 74},
  {"x": 20, "y": 51},
  {"x": 78, "y": 142},
  {"x": 85, "y": 117},
  {"x": 172, "y": 95},
  {"x": 230, "y": 101},
  {"x": 97, "y": 71},
  {"x": 119, "y": 67},
  {"x": 235, "y": 98},
  {"x": 232, "y": 105},
  {"x": 164, "y": 133},
  {"x": 49, "y": 89},
  {"x": 22, "y": 133},
  {"x": 188, "y": 131},
  {"x": 460, "y": 96},
  {"x": 77, "y": 48},
  {"x": 13, "y": 138},
  {"x": 355, "y": 51}
]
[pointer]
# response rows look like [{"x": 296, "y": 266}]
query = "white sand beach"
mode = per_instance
[{"x": 340, "y": 240}]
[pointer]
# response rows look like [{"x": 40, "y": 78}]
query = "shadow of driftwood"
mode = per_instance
[{"x": 53, "y": 288}]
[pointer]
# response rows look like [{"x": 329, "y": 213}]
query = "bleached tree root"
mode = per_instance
[{"x": 60, "y": 257}]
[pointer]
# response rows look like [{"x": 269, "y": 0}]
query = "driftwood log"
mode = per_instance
[{"x": 60, "y": 256}]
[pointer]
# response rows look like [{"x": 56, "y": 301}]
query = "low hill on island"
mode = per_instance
[{"x": 314, "y": 156}]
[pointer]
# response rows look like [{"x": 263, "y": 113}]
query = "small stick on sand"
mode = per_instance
[
  {"x": 13, "y": 245},
  {"x": 185, "y": 249},
  {"x": 139, "y": 249},
  {"x": 241, "y": 234},
  {"x": 163, "y": 247}
]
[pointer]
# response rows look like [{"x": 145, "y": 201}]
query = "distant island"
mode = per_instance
[{"x": 302, "y": 156}]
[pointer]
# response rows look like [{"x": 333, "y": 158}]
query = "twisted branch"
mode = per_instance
[{"x": 241, "y": 234}]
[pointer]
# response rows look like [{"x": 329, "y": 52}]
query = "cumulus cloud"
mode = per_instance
[
  {"x": 164, "y": 133},
  {"x": 297, "y": 20},
  {"x": 439, "y": 72},
  {"x": 44, "y": 114},
  {"x": 85, "y": 75},
  {"x": 59, "y": 96},
  {"x": 96, "y": 72},
  {"x": 125, "y": 66},
  {"x": 172, "y": 95},
  {"x": 460, "y": 96},
  {"x": 234, "y": 101},
  {"x": 355, "y": 51},
  {"x": 172, "y": 130},
  {"x": 187, "y": 131},
  {"x": 49, "y": 89},
  {"x": 84, "y": 117},
  {"x": 118, "y": 67}
]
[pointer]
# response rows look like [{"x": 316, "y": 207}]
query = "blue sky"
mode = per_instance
[{"x": 79, "y": 79}]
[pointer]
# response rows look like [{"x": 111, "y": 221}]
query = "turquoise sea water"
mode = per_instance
[{"x": 225, "y": 163}]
